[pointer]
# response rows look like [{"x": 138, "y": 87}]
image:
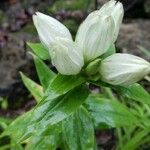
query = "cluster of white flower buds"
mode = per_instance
[{"x": 94, "y": 37}]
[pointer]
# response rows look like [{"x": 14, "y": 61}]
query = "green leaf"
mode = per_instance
[
  {"x": 45, "y": 116},
  {"x": 50, "y": 142},
  {"x": 15, "y": 145},
  {"x": 20, "y": 124},
  {"x": 44, "y": 73},
  {"x": 5, "y": 120},
  {"x": 56, "y": 110},
  {"x": 136, "y": 139},
  {"x": 25, "y": 127},
  {"x": 78, "y": 131},
  {"x": 136, "y": 92},
  {"x": 62, "y": 84},
  {"x": 109, "y": 112},
  {"x": 35, "y": 89},
  {"x": 145, "y": 51},
  {"x": 48, "y": 114},
  {"x": 39, "y": 50},
  {"x": 109, "y": 52}
]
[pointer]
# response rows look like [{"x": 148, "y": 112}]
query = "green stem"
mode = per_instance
[
  {"x": 119, "y": 135},
  {"x": 109, "y": 93}
]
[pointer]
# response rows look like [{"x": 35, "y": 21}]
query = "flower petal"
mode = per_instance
[
  {"x": 49, "y": 28},
  {"x": 66, "y": 57},
  {"x": 123, "y": 69}
]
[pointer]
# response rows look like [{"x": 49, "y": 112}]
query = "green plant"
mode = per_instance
[
  {"x": 3, "y": 103},
  {"x": 67, "y": 111},
  {"x": 136, "y": 137},
  {"x": 70, "y": 5}
]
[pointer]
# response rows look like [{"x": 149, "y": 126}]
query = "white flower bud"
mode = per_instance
[
  {"x": 49, "y": 29},
  {"x": 66, "y": 57},
  {"x": 95, "y": 35},
  {"x": 123, "y": 69},
  {"x": 114, "y": 9}
]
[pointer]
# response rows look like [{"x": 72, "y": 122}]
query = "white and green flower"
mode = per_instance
[
  {"x": 65, "y": 54},
  {"x": 123, "y": 69},
  {"x": 49, "y": 29},
  {"x": 66, "y": 58},
  {"x": 99, "y": 30},
  {"x": 94, "y": 37}
]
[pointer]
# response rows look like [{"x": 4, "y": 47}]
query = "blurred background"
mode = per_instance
[{"x": 16, "y": 28}]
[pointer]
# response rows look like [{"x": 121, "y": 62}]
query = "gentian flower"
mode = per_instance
[
  {"x": 95, "y": 36},
  {"x": 64, "y": 53},
  {"x": 123, "y": 69},
  {"x": 99, "y": 30}
]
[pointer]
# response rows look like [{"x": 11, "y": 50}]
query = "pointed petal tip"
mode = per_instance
[
  {"x": 119, "y": 4},
  {"x": 37, "y": 12},
  {"x": 40, "y": 15}
]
